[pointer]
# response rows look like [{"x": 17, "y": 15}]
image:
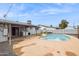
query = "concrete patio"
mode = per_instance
[
  {"x": 39, "y": 47},
  {"x": 5, "y": 49}
]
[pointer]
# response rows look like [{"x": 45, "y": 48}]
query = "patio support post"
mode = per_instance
[
  {"x": 10, "y": 39},
  {"x": 10, "y": 34}
]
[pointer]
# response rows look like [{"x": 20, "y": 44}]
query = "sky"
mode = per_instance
[{"x": 42, "y": 13}]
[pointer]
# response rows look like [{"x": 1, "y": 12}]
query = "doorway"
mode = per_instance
[{"x": 15, "y": 31}]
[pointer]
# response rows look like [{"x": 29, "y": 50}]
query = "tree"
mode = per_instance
[{"x": 64, "y": 23}]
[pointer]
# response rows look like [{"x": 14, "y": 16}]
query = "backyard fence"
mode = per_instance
[
  {"x": 66, "y": 31},
  {"x": 74, "y": 32}
]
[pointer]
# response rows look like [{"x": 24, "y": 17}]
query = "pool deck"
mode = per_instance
[{"x": 38, "y": 47}]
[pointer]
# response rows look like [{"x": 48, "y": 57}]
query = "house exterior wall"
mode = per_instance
[
  {"x": 31, "y": 30},
  {"x": 24, "y": 31},
  {"x": 6, "y": 31},
  {"x": 39, "y": 31}
]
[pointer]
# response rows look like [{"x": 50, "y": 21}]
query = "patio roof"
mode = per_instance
[{"x": 15, "y": 22}]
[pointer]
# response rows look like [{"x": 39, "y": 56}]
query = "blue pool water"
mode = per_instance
[{"x": 56, "y": 37}]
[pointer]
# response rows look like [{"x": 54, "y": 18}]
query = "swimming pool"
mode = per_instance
[{"x": 56, "y": 37}]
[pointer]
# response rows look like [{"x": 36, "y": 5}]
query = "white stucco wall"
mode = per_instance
[
  {"x": 39, "y": 31},
  {"x": 31, "y": 30}
]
